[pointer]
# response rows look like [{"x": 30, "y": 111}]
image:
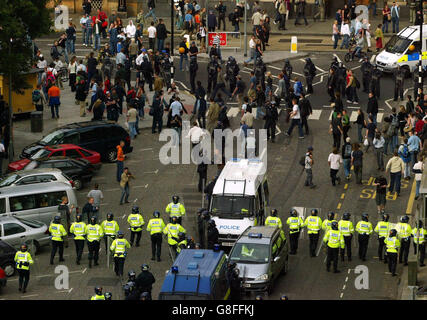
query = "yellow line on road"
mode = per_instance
[
  {"x": 411, "y": 199},
  {"x": 339, "y": 206},
  {"x": 346, "y": 186},
  {"x": 342, "y": 196}
]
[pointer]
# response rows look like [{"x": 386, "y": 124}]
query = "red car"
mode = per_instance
[{"x": 67, "y": 150}]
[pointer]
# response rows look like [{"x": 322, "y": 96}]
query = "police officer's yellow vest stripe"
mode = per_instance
[
  {"x": 155, "y": 226},
  {"x": 79, "y": 230},
  {"x": 23, "y": 257},
  {"x": 93, "y": 232},
  {"x": 392, "y": 244},
  {"x": 110, "y": 227},
  {"x": 345, "y": 227}
]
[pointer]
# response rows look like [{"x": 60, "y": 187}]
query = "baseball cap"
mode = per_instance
[{"x": 310, "y": 148}]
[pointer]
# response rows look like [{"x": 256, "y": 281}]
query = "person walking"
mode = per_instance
[
  {"x": 78, "y": 229},
  {"x": 313, "y": 224},
  {"x": 155, "y": 227},
  {"x": 334, "y": 239},
  {"x": 120, "y": 160},
  {"x": 346, "y": 157},
  {"x": 335, "y": 34},
  {"x": 414, "y": 146},
  {"x": 296, "y": 119},
  {"x": 110, "y": 228},
  {"x": 396, "y": 167},
  {"x": 379, "y": 38},
  {"x": 395, "y": 16},
  {"x": 364, "y": 230},
  {"x": 308, "y": 166},
  {"x": 58, "y": 232},
  {"x": 334, "y": 161},
  {"x": 124, "y": 185},
  {"x": 118, "y": 247},
  {"x": 420, "y": 238},
  {"x": 295, "y": 225},
  {"x": 301, "y": 12},
  {"x": 97, "y": 196},
  {"x": 306, "y": 111},
  {"x": 418, "y": 171},
  {"x": 405, "y": 155},
  {"x": 357, "y": 162},
  {"x": 94, "y": 233},
  {"x": 54, "y": 94},
  {"x": 345, "y": 32},
  {"x": 378, "y": 144},
  {"x": 392, "y": 244},
  {"x": 382, "y": 228},
  {"x": 361, "y": 123},
  {"x": 136, "y": 221},
  {"x": 404, "y": 232},
  {"x": 371, "y": 129},
  {"x": 345, "y": 226},
  {"x": 336, "y": 130},
  {"x": 386, "y": 18},
  {"x": 23, "y": 261}
]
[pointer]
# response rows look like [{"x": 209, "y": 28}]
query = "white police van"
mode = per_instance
[
  {"x": 403, "y": 49},
  {"x": 240, "y": 198}
]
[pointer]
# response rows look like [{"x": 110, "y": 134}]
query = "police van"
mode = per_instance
[
  {"x": 197, "y": 275},
  {"x": 240, "y": 198},
  {"x": 402, "y": 50}
]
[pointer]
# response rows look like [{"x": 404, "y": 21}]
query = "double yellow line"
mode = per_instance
[{"x": 411, "y": 199}]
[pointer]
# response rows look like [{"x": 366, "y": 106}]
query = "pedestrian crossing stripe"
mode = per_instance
[
  {"x": 315, "y": 115},
  {"x": 353, "y": 116},
  {"x": 234, "y": 112}
]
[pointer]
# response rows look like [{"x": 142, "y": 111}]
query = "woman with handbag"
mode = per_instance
[{"x": 386, "y": 18}]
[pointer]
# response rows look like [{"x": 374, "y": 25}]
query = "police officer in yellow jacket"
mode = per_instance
[
  {"x": 274, "y": 221},
  {"x": 58, "y": 232},
  {"x": 98, "y": 294},
  {"x": 345, "y": 226},
  {"x": 334, "y": 239},
  {"x": 175, "y": 209},
  {"x": 136, "y": 221},
  {"x": 118, "y": 247},
  {"x": 23, "y": 261},
  {"x": 313, "y": 224},
  {"x": 364, "y": 228},
  {"x": 182, "y": 242},
  {"x": 94, "y": 234},
  {"x": 295, "y": 225},
  {"x": 326, "y": 225},
  {"x": 110, "y": 228},
  {"x": 420, "y": 237},
  {"x": 172, "y": 230},
  {"x": 404, "y": 234},
  {"x": 155, "y": 227},
  {"x": 78, "y": 228},
  {"x": 382, "y": 228},
  {"x": 392, "y": 244}
]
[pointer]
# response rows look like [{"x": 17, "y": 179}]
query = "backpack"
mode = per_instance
[
  {"x": 231, "y": 16},
  {"x": 347, "y": 150},
  {"x": 36, "y": 96},
  {"x": 405, "y": 152},
  {"x": 300, "y": 87},
  {"x": 302, "y": 161}
]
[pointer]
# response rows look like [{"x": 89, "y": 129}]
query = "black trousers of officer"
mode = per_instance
[
  {"x": 332, "y": 257},
  {"x": 93, "y": 247},
  {"x": 381, "y": 247},
  {"x": 138, "y": 237},
  {"x": 375, "y": 88},
  {"x": 366, "y": 81},
  {"x": 363, "y": 245},
  {"x": 119, "y": 264},
  {"x": 211, "y": 83},
  {"x": 107, "y": 247},
  {"x": 422, "y": 251},
  {"x": 404, "y": 250},
  {"x": 57, "y": 245},
  {"x": 24, "y": 278},
  {"x": 347, "y": 241},
  {"x": 392, "y": 262},
  {"x": 156, "y": 245},
  {"x": 398, "y": 90},
  {"x": 304, "y": 124},
  {"x": 314, "y": 238},
  {"x": 232, "y": 85},
  {"x": 149, "y": 79},
  {"x": 293, "y": 239},
  {"x": 79, "y": 248},
  {"x": 331, "y": 92},
  {"x": 270, "y": 126},
  {"x": 193, "y": 80},
  {"x": 309, "y": 81}
]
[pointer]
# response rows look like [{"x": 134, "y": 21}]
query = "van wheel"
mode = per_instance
[
  {"x": 112, "y": 155},
  {"x": 9, "y": 269},
  {"x": 285, "y": 266},
  {"x": 78, "y": 183}
]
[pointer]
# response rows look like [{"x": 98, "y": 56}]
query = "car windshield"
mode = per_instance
[
  {"x": 250, "y": 253},
  {"x": 232, "y": 206},
  {"x": 40, "y": 154},
  {"x": 31, "y": 165},
  {"x": 397, "y": 45},
  {"x": 8, "y": 180},
  {"x": 31, "y": 223},
  {"x": 52, "y": 138}
]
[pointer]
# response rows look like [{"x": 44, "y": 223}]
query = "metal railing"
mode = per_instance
[{"x": 228, "y": 40}]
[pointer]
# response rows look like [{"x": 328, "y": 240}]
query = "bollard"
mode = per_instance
[{"x": 294, "y": 44}]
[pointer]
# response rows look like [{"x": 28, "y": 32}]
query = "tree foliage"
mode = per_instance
[{"x": 21, "y": 21}]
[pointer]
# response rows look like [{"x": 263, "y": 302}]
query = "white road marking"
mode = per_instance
[
  {"x": 123, "y": 216},
  {"x": 155, "y": 172},
  {"x": 315, "y": 115},
  {"x": 380, "y": 116},
  {"x": 278, "y": 130},
  {"x": 346, "y": 279},
  {"x": 321, "y": 70},
  {"x": 274, "y": 67},
  {"x": 185, "y": 87},
  {"x": 330, "y": 116},
  {"x": 348, "y": 271},
  {"x": 326, "y": 106},
  {"x": 341, "y": 295},
  {"x": 110, "y": 190},
  {"x": 343, "y": 287},
  {"x": 388, "y": 104},
  {"x": 353, "y": 116},
  {"x": 104, "y": 204},
  {"x": 146, "y": 186},
  {"x": 405, "y": 92},
  {"x": 234, "y": 111},
  {"x": 84, "y": 270},
  {"x": 355, "y": 68},
  {"x": 145, "y": 149},
  {"x": 31, "y": 295}
]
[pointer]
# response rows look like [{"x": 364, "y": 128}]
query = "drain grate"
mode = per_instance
[{"x": 303, "y": 40}]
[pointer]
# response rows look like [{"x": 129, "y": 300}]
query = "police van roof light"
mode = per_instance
[
  {"x": 174, "y": 269},
  {"x": 216, "y": 247},
  {"x": 255, "y": 235}
]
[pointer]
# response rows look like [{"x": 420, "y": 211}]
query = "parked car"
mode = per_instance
[
  {"x": 25, "y": 177},
  {"x": 80, "y": 171},
  {"x": 16, "y": 231},
  {"x": 36, "y": 201},
  {"x": 67, "y": 150},
  {"x": 7, "y": 258},
  {"x": 99, "y": 136}
]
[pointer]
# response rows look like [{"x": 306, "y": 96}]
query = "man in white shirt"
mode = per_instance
[
  {"x": 256, "y": 19},
  {"x": 81, "y": 67},
  {"x": 196, "y": 134},
  {"x": 252, "y": 45},
  {"x": 176, "y": 107},
  {"x": 296, "y": 120},
  {"x": 130, "y": 30},
  {"x": 152, "y": 33},
  {"x": 83, "y": 21},
  {"x": 345, "y": 32},
  {"x": 334, "y": 161}
]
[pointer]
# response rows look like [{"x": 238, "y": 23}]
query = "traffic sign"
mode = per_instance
[{"x": 222, "y": 38}]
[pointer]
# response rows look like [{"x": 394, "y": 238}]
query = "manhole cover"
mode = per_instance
[
  {"x": 303, "y": 40},
  {"x": 102, "y": 281}
]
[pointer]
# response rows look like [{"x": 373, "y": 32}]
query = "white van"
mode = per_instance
[
  {"x": 402, "y": 50},
  {"x": 35, "y": 201},
  {"x": 240, "y": 198}
]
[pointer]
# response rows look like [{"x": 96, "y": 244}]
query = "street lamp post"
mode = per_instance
[
  {"x": 172, "y": 26},
  {"x": 10, "y": 151},
  {"x": 422, "y": 49},
  {"x": 246, "y": 33}
]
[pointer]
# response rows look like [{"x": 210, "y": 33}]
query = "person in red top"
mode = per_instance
[
  {"x": 54, "y": 100},
  {"x": 107, "y": 84},
  {"x": 419, "y": 124},
  {"x": 104, "y": 23},
  {"x": 120, "y": 160}
]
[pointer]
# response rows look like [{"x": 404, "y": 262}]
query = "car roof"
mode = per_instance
[
  {"x": 53, "y": 159},
  {"x": 6, "y": 219},
  {"x": 86, "y": 124},
  {"x": 33, "y": 188},
  {"x": 24, "y": 173},
  {"x": 64, "y": 146},
  {"x": 266, "y": 231}
]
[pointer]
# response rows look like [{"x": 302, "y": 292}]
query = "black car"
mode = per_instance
[
  {"x": 7, "y": 258},
  {"x": 99, "y": 136},
  {"x": 80, "y": 171}
]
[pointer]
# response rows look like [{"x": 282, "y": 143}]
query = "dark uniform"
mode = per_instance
[
  {"x": 375, "y": 83},
  {"x": 212, "y": 73},
  {"x": 364, "y": 228},
  {"x": 341, "y": 74},
  {"x": 193, "y": 71},
  {"x": 232, "y": 70},
  {"x": 271, "y": 117},
  {"x": 259, "y": 71},
  {"x": 366, "y": 75},
  {"x": 399, "y": 78},
  {"x": 213, "y": 234},
  {"x": 145, "y": 280},
  {"x": 331, "y": 85},
  {"x": 287, "y": 68},
  {"x": 309, "y": 73},
  {"x": 165, "y": 67}
]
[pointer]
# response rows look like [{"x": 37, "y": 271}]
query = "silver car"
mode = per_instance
[
  {"x": 16, "y": 231},
  {"x": 261, "y": 255},
  {"x": 25, "y": 177}
]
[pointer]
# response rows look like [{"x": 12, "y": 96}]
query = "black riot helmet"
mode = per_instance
[
  {"x": 135, "y": 209},
  {"x": 174, "y": 220},
  {"x": 331, "y": 215},
  {"x": 274, "y": 212},
  {"x": 79, "y": 218},
  {"x": 420, "y": 224},
  {"x": 236, "y": 272},
  {"x": 294, "y": 213},
  {"x": 131, "y": 275},
  {"x": 98, "y": 290},
  {"x": 404, "y": 219},
  {"x": 175, "y": 199},
  {"x": 385, "y": 217},
  {"x": 346, "y": 216},
  {"x": 145, "y": 296},
  {"x": 57, "y": 219},
  {"x": 93, "y": 220},
  {"x": 145, "y": 267},
  {"x": 365, "y": 217},
  {"x": 259, "y": 297},
  {"x": 231, "y": 265},
  {"x": 24, "y": 247},
  {"x": 156, "y": 214},
  {"x": 120, "y": 234},
  {"x": 211, "y": 223},
  {"x": 393, "y": 232},
  {"x": 108, "y": 296},
  {"x": 284, "y": 297},
  {"x": 314, "y": 212},
  {"x": 110, "y": 216},
  {"x": 334, "y": 225},
  {"x": 181, "y": 236}
]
